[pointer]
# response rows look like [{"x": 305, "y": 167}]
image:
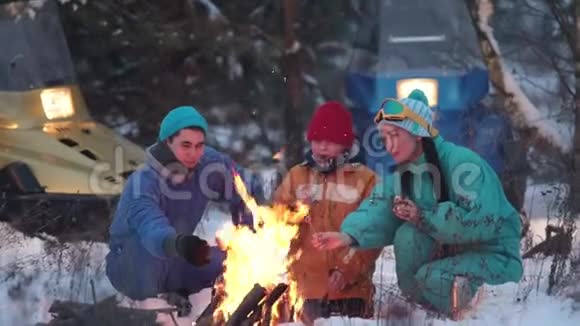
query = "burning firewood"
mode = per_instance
[
  {"x": 257, "y": 255},
  {"x": 256, "y": 264},
  {"x": 249, "y": 304},
  {"x": 255, "y": 308},
  {"x": 270, "y": 301}
]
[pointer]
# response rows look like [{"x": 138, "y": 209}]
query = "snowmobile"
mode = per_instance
[
  {"x": 58, "y": 166},
  {"x": 439, "y": 54}
]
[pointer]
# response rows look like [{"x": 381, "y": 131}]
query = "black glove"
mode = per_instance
[{"x": 192, "y": 249}]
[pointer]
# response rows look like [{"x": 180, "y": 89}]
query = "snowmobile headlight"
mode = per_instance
[
  {"x": 428, "y": 86},
  {"x": 57, "y": 103}
]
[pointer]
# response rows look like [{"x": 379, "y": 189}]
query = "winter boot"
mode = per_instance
[
  {"x": 180, "y": 300},
  {"x": 461, "y": 297},
  {"x": 399, "y": 311}
]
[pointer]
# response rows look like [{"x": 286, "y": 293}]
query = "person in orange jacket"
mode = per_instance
[{"x": 333, "y": 182}]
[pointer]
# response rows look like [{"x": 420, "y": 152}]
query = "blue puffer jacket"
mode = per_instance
[{"x": 155, "y": 204}]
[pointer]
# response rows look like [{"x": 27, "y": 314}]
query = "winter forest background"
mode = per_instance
[{"x": 258, "y": 68}]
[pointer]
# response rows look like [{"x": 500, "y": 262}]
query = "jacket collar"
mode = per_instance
[
  {"x": 438, "y": 140},
  {"x": 353, "y": 158},
  {"x": 161, "y": 159}
]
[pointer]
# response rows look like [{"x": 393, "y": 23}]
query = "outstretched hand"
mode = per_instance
[{"x": 330, "y": 240}]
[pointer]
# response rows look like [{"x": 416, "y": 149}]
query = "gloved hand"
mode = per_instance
[{"x": 193, "y": 249}]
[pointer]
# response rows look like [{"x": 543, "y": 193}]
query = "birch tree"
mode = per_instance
[{"x": 540, "y": 131}]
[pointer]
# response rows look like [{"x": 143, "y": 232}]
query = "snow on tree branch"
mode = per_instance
[
  {"x": 213, "y": 12},
  {"x": 485, "y": 11},
  {"x": 518, "y": 104}
]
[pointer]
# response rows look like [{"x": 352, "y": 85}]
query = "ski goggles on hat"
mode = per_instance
[{"x": 393, "y": 110}]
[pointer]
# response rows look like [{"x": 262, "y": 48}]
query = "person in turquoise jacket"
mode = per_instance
[{"x": 443, "y": 209}]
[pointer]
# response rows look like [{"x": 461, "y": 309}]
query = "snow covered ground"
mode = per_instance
[{"x": 33, "y": 274}]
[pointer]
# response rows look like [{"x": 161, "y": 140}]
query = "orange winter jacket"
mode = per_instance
[{"x": 331, "y": 197}]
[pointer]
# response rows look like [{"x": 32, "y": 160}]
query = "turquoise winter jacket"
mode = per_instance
[{"x": 477, "y": 216}]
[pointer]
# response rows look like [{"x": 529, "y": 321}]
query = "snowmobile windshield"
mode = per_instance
[
  {"x": 415, "y": 35},
  {"x": 34, "y": 50}
]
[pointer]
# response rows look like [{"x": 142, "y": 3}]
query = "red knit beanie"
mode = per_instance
[{"x": 332, "y": 122}]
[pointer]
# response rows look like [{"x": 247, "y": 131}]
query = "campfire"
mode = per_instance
[{"x": 257, "y": 262}]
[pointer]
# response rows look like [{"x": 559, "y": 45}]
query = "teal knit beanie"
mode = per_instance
[{"x": 180, "y": 118}]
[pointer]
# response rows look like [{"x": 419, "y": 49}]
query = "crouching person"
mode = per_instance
[
  {"x": 152, "y": 247},
  {"x": 443, "y": 209},
  {"x": 333, "y": 182}
]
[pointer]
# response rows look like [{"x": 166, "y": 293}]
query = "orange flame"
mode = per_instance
[{"x": 257, "y": 257}]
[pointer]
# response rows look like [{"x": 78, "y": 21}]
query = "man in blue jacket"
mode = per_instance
[{"x": 152, "y": 247}]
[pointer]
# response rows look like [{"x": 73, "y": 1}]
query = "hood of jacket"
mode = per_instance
[{"x": 161, "y": 159}]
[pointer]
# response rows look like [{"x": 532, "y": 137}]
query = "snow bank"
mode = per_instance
[{"x": 33, "y": 274}]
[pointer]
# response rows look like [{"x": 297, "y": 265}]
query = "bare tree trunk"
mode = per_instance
[
  {"x": 514, "y": 185},
  {"x": 292, "y": 116},
  {"x": 492, "y": 58}
]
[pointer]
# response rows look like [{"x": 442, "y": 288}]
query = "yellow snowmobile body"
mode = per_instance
[{"x": 60, "y": 170}]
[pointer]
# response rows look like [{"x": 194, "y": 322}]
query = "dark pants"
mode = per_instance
[
  {"x": 137, "y": 274},
  {"x": 313, "y": 309}
]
